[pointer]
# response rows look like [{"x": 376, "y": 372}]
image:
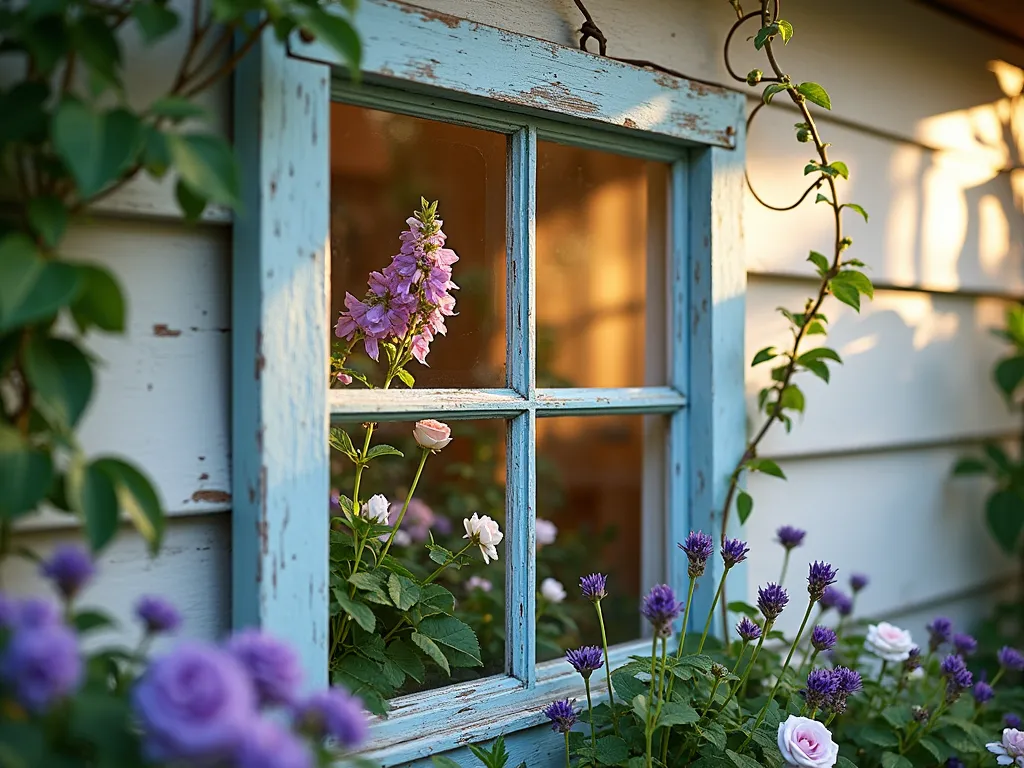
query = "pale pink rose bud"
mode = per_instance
[
  {"x": 432, "y": 434},
  {"x": 806, "y": 743},
  {"x": 547, "y": 532},
  {"x": 484, "y": 532},
  {"x": 552, "y": 590},
  {"x": 344, "y": 378},
  {"x": 376, "y": 509}
]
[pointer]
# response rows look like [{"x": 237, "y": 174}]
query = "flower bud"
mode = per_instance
[
  {"x": 432, "y": 434},
  {"x": 803, "y": 135},
  {"x": 754, "y": 77}
]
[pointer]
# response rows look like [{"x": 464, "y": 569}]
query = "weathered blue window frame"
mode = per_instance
[{"x": 434, "y": 66}]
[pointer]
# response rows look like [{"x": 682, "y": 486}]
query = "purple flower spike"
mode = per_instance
[
  {"x": 913, "y": 661},
  {"x": 1012, "y": 720},
  {"x": 830, "y": 598},
  {"x": 698, "y": 548},
  {"x": 845, "y": 605},
  {"x": 822, "y": 687},
  {"x": 790, "y": 537},
  {"x": 820, "y": 575},
  {"x": 157, "y": 615},
  {"x": 661, "y": 608},
  {"x": 42, "y": 665},
  {"x": 823, "y": 638},
  {"x": 586, "y": 659},
  {"x": 70, "y": 568},
  {"x": 955, "y": 762},
  {"x": 939, "y": 631},
  {"x": 334, "y": 713},
  {"x": 562, "y": 715},
  {"x": 771, "y": 600},
  {"x": 964, "y": 644},
  {"x": 958, "y": 678},
  {"x": 748, "y": 630},
  {"x": 594, "y": 587},
  {"x": 1011, "y": 658},
  {"x": 983, "y": 692},
  {"x": 734, "y": 552},
  {"x": 858, "y": 581},
  {"x": 273, "y": 666},
  {"x": 849, "y": 680}
]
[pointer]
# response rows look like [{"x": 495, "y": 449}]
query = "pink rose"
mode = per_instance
[
  {"x": 1010, "y": 750},
  {"x": 432, "y": 434},
  {"x": 806, "y": 743},
  {"x": 888, "y": 642}
]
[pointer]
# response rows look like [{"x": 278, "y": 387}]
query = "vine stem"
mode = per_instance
[
  {"x": 607, "y": 665},
  {"x": 401, "y": 515}
]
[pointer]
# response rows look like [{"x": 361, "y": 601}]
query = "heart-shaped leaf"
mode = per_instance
[{"x": 96, "y": 146}]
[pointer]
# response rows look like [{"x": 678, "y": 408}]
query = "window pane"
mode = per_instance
[
  {"x": 601, "y": 243},
  {"x": 381, "y": 164},
  {"x": 467, "y": 476},
  {"x": 598, "y": 490}
]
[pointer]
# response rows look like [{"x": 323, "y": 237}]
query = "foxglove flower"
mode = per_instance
[
  {"x": 888, "y": 642},
  {"x": 820, "y": 576},
  {"x": 983, "y": 692},
  {"x": 806, "y": 743},
  {"x": 1011, "y": 658},
  {"x": 376, "y": 510},
  {"x": 552, "y": 590},
  {"x": 858, "y": 581},
  {"x": 1012, "y": 720},
  {"x": 336, "y": 714},
  {"x": 748, "y": 630},
  {"x": 157, "y": 615},
  {"x": 1010, "y": 750},
  {"x": 822, "y": 687},
  {"x": 562, "y": 715},
  {"x": 790, "y": 537},
  {"x": 734, "y": 552},
  {"x": 70, "y": 568},
  {"x": 432, "y": 434},
  {"x": 964, "y": 644},
  {"x": 771, "y": 601},
  {"x": 273, "y": 667},
  {"x": 939, "y": 631},
  {"x": 661, "y": 608},
  {"x": 484, "y": 532},
  {"x": 41, "y": 665},
  {"x": 546, "y": 532},
  {"x": 698, "y": 548},
  {"x": 594, "y": 587},
  {"x": 823, "y": 638},
  {"x": 585, "y": 660}
]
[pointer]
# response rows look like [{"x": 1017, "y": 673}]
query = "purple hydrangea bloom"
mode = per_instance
[
  {"x": 193, "y": 704},
  {"x": 939, "y": 631},
  {"x": 698, "y": 548},
  {"x": 594, "y": 587},
  {"x": 771, "y": 600},
  {"x": 267, "y": 744},
  {"x": 748, "y": 630},
  {"x": 1011, "y": 658},
  {"x": 661, "y": 608},
  {"x": 858, "y": 581},
  {"x": 983, "y": 692},
  {"x": 823, "y": 638},
  {"x": 42, "y": 665},
  {"x": 273, "y": 666},
  {"x": 70, "y": 568},
  {"x": 822, "y": 687},
  {"x": 734, "y": 552},
  {"x": 562, "y": 715},
  {"x": 1012, "y": 720},
  {"x": 336, "y": 714},
  {"x": 157, "y": 614},
  {"x": 586, "y": 659},
  {"x": 964, "y": 644},
  {"x": 820, "y": 576},
  {"x": 790, "y": 537}
]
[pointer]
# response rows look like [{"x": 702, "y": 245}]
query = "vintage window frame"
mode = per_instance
[{"x": 432, "y": 65}]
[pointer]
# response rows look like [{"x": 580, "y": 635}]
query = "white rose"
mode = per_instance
[
  {"x": 432, "y": 434},
  {"x": 546, "y": 532},
  {"x": 888, "y": 642},
  {"x": 806, "y": 743},
  {"x": 552, "y": 590},
  {"x": 484, "y": 532},
  {"x": 376, "y": 509},
  {"x": 477, "y": 582},
  {"x": 1010, "y": 749}
]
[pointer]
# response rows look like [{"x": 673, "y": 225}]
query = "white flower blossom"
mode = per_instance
[
  {"x": 547, "y": 532},
  {"x": 484, "y": 532},
  {"x": 1010, "y": 750},
  {"x": 888, "y": 642},
  {"x": 806, "y": 743},
  {"x": 552, "y": 590},
  {"x": 376, "y": 509},
  {"x": 478, "y": 582}
]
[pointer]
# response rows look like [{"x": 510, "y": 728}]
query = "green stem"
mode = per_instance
[
  {"x": 590, "y": 712},
  {"x": 711, "y": 613},
  {"x": 785, "y": 567},
  {"x": 711, "y": 698},
  {"x": 746, "y": 673},
  {"x": 998, "y": 676},
  {"x": 444, "y": 565},
  {"x": 648, "y": 730},
  {"x": 401, "y": 515},
  {"x": 355, "y": 495},
  {"x": 607, "y": 666},
  {"x": 679, "y": 654},
  {"x": 567, "y": 749}
]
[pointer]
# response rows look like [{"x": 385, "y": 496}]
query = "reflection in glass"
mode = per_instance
[
  {"x": 381, "y": 164},
  {"x": 601, "y": 243}
]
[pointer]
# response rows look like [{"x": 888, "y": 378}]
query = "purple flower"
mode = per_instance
[
  {"x": 42, "y": 665},
  {"x": 334, "y": 713},
  {"x": 983, "y": 692},
  {"x": 1012, "y": 720},
  {"x": 8, "y": 611},
  {"x": 913, "y": 661},
  {"x": 1010, "y": 658},
  {"x": 790, "y": 537},
  {"x": 734, "y": 552},
  {"x": 157, "y": 614},
  {"x": 848, "y": 682},
  {"x": 195, "y": 703},
  {"x": 273, "y": 666},
  {"x": 858, "y": 581},
  {"x": 70, "y": 568},
  {"x": 267, "y": 744},
  {"x": 594, "y": 587},
  {"x": 955, "y": 762},
  {"x": 823, "y": 638},
  {"x": 771, "y": 600},
  {"x": 698, "y": 548},
  {"x": 661, "y": 608},
  {"x": 36, "y": 613},
  {"x": 562, "y": 715},
  {"x": 831, "y": 598},
  {"x": 747, "y": 630},
  {"x": 822, "y": 686},
  {"x": 939, "y": 631},
  {"x": 964, "y": 644},
  {"x": 586, "y": 659},
  {"x": 844, "y": 604},
  {"x": 958, "y": 678},
  {"x": 820, "y": 575}
]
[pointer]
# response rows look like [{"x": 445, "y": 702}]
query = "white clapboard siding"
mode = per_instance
[{"x": 916, "y": 369}]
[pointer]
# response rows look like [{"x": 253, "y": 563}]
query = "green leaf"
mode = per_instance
[
  {"x": 406, "y": 659},
  {"x": 845, "y": 292},
  {"x": 359, "y": 612},
  {"x": 455, "y": 638},
  {"x": 154, "y": 19},
  {"x": 100, "y": 301},
  {"x": 1008, "y": 375},
  {"x": 744, "y": 506},
  {"x": 89, "y": 621},
  {"x": 337, "y": 32},
  {"x": 767, "y": 466},
  {"x": 94, "y": 40},
  {"x": 62, "y": 377},
  {"x": 816, "y": 328},
  {"x": 92, "y": 496},
  {"x": 715, "y": 734},
  {"x": 207, "y": 166},
  {"x": 676, "y": 713},
  {"x": 406, "y": 377},
  {"x": 1004, "y": 513},
  {"x": 738, "y": 606},
  {"x": 26, "y": 474},
  {"x": 373, "y": 584},
  {"x": 820, "y": 262},
  {"x": 840, "y": 167},
  {"x": 340, "y": 441},
  {"x": 97, "y": 147},
  {"x": 998, "y": 457},
  {"x": 898, "y": 715},
  {"x": 403, "y": 592},
  {"x": 815, "y": 94},
  {"x": 771, "y": 90},
  {"x": 137, "y": 498},
  {"x": 431, "y": 650},
  {"x": 49, "y": 218},
  {"x": 639, "y": 705},
  {"x": 793, "y": 398},
  {"x": 819, "y": 353},
  {"x": 382, "y": 450},
  {"x": 156, "y": 155},
  {"x": 742, "y": 761},
  {"x": 857, "y": 208},
  {"x": 612, "y": 750},
  {"x": 177, "y": 108},
  {"x": 970, "y": 466},
  {"x": 823, "y": 199},
  {"x": 192, "y": 204},
  {"x": 892, "y": 760},
  {"x": 843, "y": 762},
  {"x": 858, "y": 280},
  {"x": 934, "y": 748},
  {"x": 880, "y": 737},
  {"x": 440, "y": 761},
  {"x": 31, "y": 288},
  {"x": 785, "y": 30},
  {"x": 766, "y": 354},
  {"x": 819, "y": 369}
]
